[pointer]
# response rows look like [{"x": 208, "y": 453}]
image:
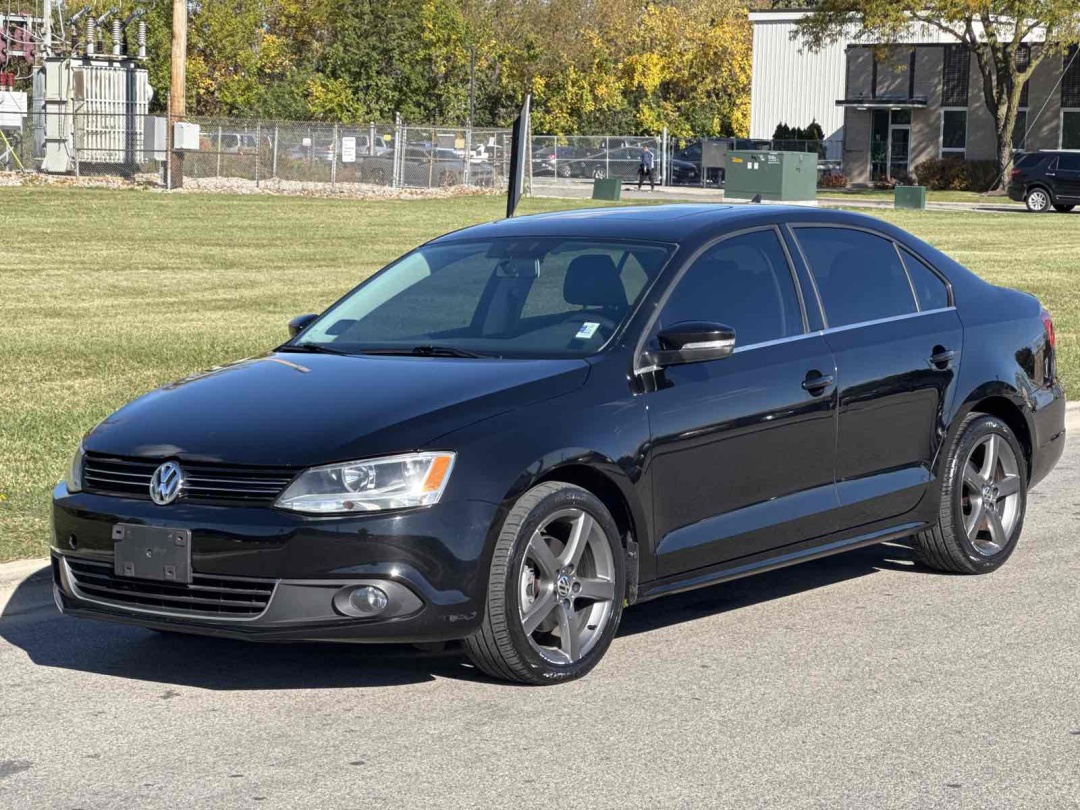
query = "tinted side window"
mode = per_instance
[
  {"x": 929, "y": 288},
  {"x": 858, "y": 275},
  {"x": 743, "y": 282},
  {"x": 1029, "y": 161},
  {"x": 1069, "y": 162}
]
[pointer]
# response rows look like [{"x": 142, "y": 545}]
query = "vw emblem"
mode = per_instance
[
  {"x": 563, "y": 586},
  {"x": 166, "y": 483}
]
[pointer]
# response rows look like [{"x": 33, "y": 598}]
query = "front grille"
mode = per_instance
[
  {"x": 206, "y": 596},
  {"x": 130, "y": 478}
]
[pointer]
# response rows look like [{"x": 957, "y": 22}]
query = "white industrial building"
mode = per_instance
[{"x": 794, "y": 86}]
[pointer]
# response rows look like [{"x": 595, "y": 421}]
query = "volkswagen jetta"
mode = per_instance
[{"x": 516, "y": 430}]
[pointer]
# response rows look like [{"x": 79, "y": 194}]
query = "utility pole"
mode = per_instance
[{"x": 177, "y": 87}]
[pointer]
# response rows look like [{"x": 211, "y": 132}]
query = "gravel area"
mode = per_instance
[{"x": 234, "y": 185}]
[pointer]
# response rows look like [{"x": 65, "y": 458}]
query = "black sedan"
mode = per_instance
[{"x": 518, "y": 429}]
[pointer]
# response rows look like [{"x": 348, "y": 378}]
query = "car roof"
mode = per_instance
[{"x": 679, "y": 223}]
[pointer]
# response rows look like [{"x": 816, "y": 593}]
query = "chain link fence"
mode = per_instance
[
  {"x": 127, "y": 142},
  {"x": 396, "y": 155}
]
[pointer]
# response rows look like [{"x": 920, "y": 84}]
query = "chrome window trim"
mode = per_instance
[
  {"x": 659, "y": 308},
  {"x": 845, "y": 328}
]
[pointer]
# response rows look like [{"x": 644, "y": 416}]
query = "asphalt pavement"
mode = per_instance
[{"x": 860, "y": 681}]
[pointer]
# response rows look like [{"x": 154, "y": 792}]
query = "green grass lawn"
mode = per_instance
[{"x": 107, "y": 294}]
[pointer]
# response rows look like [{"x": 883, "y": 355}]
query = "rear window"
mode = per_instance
[
  {"x": 929, "y": 288},
  {"x": 1029, "y": 161},
  {"x": 858, "y": 275}
]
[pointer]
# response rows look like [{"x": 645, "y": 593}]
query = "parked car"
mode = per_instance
[
  {"x": 684, "y": 172},
  {"x": 243, "y": 143},
  {"x": 1045, "y": 180},
  {"x": 426, "y": 166},
  {"x": 622, "y": 163},
  {"x": 551, "y": 161},
  {"x": 515, "y": 430}
]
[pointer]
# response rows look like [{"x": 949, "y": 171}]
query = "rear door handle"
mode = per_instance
[
  {"x": 817, "y": 383},
  {"x": 942, "y": 358}
]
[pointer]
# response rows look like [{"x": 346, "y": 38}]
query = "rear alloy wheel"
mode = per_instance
[
  {"x": 598, "y": 174},
  {"x": 555, "y": 591},
  {"x": 1037, "y": 200},
  {"x": 1064, "y": 209},
  {"x": 983, "y": 500}
]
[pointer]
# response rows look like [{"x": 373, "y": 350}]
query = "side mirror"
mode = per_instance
[
  {"x": 300, "y": 323},
  {"x": 692, "y": 342}
]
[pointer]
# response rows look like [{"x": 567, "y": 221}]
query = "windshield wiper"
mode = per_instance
[
  {"x": 310, "y": 348},
  {"x": 425, "y": 351}
]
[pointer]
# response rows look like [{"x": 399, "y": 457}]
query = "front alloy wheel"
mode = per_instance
[
  {"x": 567, "y": 585},
  {"x": 555, "y": 589}
]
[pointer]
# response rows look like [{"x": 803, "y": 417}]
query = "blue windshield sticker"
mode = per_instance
[{"x": 587, "y": 330}]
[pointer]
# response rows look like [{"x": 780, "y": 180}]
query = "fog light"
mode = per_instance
[{"x": 369, "y": 600}]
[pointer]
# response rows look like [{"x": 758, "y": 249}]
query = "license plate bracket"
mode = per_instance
[{"x": 152, "y": 552}]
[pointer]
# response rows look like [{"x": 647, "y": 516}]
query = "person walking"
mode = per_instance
[{"x": 645, "y": 168}]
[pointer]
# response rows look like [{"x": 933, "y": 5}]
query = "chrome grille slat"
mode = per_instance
[
  {"x": 130, "y": 478},
  {"x": 206, "y": 596}
]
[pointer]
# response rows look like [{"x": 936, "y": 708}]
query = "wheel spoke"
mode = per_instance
[
  {"x": 542, "y": 555},
  {"x": 990, "y": 457},
  {"x": 972, "y": 522},
  {"x": 538, "y": 611},
  {"x": 1009, "y": 485},
  {"x": 973, "y": 478},
  {"x": 997, "y": 531},
  {"x": 579, "y": 538},
  {"x": 569, "y": 642},
  {"x": 596, "y": 589}
]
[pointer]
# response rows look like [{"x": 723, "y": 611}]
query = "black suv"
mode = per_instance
[{"x": 1045, "y": 180}]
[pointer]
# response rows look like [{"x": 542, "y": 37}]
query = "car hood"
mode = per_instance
[{"x": 291, "y": 409}]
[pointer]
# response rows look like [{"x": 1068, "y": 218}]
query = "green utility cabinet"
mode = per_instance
[
  {"x": 607, "y": 189},
  {"x": 784, "y": 176},
  {"x": 910, "y": 197}
]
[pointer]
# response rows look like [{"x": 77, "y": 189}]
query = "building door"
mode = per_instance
[{"x": 890, "y": 144}]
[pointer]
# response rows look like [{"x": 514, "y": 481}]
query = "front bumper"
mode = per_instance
[{"x": 432, "y": 563}]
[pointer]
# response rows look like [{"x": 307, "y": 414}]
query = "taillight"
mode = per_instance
[
  {"x": 1016, "y": 173},
  {"x": 1048, "y": 325}
]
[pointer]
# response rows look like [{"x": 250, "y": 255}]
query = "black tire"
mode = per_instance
[
  {"x": 563, "y": 171},
  {"x": 1038, "y": 200},
  {"x": 500, "y": 648},
  {"x": 946, "y": 546},
  {"x": 1063, "y": 209}
]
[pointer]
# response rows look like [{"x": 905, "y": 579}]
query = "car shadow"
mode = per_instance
[{"x": 105, "y": 648}]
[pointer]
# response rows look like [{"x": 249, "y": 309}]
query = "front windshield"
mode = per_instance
[{"x": 536, "y": 297}]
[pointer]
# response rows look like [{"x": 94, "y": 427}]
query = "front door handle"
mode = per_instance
[
  {"x": 816, "y": 382},
  {"x": 942, "y": 358}
]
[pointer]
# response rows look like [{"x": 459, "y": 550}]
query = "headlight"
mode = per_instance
[
  {"x": 73, "y": 476},
  {"x": 396, "y": 482}
]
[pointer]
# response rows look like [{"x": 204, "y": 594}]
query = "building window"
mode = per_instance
[
  {"x": 1023, "y": 62},
  {"x": 954, "y": 133},
  {"x": 1070, "y": 82},
  {"x": 956, "y": 70},
  {"x": 1020, "y": 130},
  {"x": 1070, "y": 129}
]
